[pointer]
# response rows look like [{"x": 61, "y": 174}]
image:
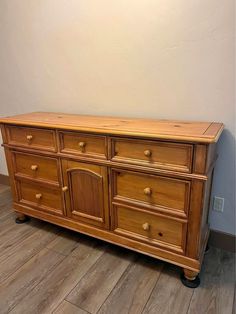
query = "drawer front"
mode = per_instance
[
  {"x": 163, "y": 155},
  {"x": 156, "y": 192},
  {"x": 83, "y": 144},
  {"x": 31, "y": 138},
  {"x": 40, "y": 197},
  {"x": 151, "y": 228},
  {"x": 36, "y": 167}
]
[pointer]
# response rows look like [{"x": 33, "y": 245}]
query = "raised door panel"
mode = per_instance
[{"x": 87, "y": 193}]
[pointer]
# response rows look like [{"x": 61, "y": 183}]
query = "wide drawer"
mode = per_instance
[
  {"x": 36, "y": 167},
  {"x": 151, "y": 228},
  {"x": 35, "y": 138},
  {"x": 155, "y": 192},
  {"x": 163, "y": 155},
  {"x": 43, "y": 198},
  {"x": 83, "y": 144}
]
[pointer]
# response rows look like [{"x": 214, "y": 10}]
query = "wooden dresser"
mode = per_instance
[{"x": 142, "y": 184}]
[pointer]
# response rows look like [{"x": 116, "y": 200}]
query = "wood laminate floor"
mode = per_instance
[{"x": 47, "y": 269}]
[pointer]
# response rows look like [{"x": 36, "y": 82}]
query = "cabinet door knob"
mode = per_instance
[
  {"x": 147, "y": 191},
  {"x": 146, "y": 226},
  {"x": 82, "y": 144},
  {"x": 65, "y": 188},
  {"x": 29, "y": 137},
  {"x": 148, "y": 153},
  {"x": 34, "y": 167},
  {"x": 38, "y": 196}
]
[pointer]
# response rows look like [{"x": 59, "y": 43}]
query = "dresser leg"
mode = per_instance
[
  {"x": 190, "y": 278},
  {"x": 21, "y": 218}
]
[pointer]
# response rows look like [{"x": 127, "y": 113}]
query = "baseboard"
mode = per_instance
[
  {"x": 222, "y": 240},
  {"x": 217, "y": 239},
  {"x": 4, "y": 179}
]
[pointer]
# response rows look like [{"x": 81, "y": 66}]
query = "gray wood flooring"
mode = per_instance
[{"x": 47, "y": 269}]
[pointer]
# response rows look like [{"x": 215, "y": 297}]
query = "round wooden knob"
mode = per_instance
[
  {"x": 29, "y": 137},
  {"x": 65, "y": 188},
  {"x": 38, "y": 196},
  {"x": 148, "y": 153},
  {"x": 82, "y": 144},
  {"x": 146, "y": 226},
  {"x": 34, "y": 167},
  {"x": 147, "y": 191}
]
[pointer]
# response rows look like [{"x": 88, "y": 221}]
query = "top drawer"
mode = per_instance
[
  {"x": 85, "y": 145},
  {"x": 163, "y": 155},
  {"x": 31, "y": 137}
]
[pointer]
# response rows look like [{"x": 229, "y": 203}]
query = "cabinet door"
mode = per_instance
[{"x": 86, "y": 193}]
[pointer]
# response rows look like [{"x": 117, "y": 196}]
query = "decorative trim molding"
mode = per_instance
[
  {"x": 4, "y": 179},
  {"x": 222, "y": 240}
]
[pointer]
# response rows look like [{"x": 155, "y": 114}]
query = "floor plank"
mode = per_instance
[
  {"x": 50, "y": 292},
  {"x": 169, "y": 295},
  {"x": 20, "y": 283},
  {"x": 67, "y": 308},
  {"x": 16, "y": 256},
  {"x": 133, "y": 290},
  {"x": 216, "y": 293},
  {"x": 97, "y": 284},
  {"x": 66, "y": 243}
]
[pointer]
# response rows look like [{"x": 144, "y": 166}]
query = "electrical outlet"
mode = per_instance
[{"x": 218, "y": 204}]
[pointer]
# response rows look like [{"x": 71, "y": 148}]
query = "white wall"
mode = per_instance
[{"x": 142, "y": 58}]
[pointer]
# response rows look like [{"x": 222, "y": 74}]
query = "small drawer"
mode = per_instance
[
  {"x": 155, "y": 192},
  {"x": 163, "y": 155},
  {"x": 40, "y": 197},
  {"x": 83, "y": 144},
  {"x": 36, "y": 167},
  {"x": 151, "y": 228},
  {"x": 41, "y": 139}
]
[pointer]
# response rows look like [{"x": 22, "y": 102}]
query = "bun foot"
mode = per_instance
[
  {"x": 21, "y": 219},
  {"x": 190, "y": 279},
  {"x": 207, "y": 249}
]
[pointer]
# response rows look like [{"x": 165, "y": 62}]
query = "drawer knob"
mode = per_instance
[
  {"x": 146, "y": 226},
  {"x": 82, "y": 144},
  {"x": 65, "y": 188},
  {"x": 148, "y": 153},
  {"x": 34, "y": 167},
  {"x": 147, "y": 191},
  {"x": 38, "y": 196},
  {"x": 29, "y": 137}
]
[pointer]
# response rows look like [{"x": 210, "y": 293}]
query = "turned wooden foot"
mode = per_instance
[
  {"x": 190, "y": 278},
  {"x": 21, "y": 218}
]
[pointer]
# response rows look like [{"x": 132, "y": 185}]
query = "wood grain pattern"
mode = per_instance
[
  {"x": 87, "y": 195},
  {"x": 47, "y": 295},
  {"x": 40, "y": 197},
  {"x": 165, "y": 194},
  {"x": 36, "y": 167},
  {"x": 83, "y": 144},
  {"x": 23, "y": 280},
  {"x": 134, "y": 288},
  {"x": 162, "y": 155},
  {"x": 97, "y": 284},
  {"x": 160, "y": 231},
  {"x": 144, "y": 287},
  {"x": 66, "y": 307},
  {"x": 169, "y": 295},
  {"x": 37, "y": 138},
  {"x": 140, "y": 183},
  {"x": 150, "y": 128}
]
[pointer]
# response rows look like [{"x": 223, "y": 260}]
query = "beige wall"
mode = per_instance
[{"x": 141, "y": 58}]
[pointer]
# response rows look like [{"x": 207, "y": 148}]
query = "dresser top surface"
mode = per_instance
[{"x": 205, "y": 132}]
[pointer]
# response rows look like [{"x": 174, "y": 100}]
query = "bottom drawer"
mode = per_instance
[
  {"x": 168, "y": 233},
  {"x": 43, "y": 198}
]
